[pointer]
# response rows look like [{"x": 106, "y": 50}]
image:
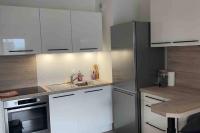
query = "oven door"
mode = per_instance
[{"x": 27, "y": 119}]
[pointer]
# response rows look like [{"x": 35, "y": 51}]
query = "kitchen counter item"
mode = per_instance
[
  {"x": 182, "y": 101},
  {"x": 171, "y": 79},
  {"x": 8, "y": 94}
]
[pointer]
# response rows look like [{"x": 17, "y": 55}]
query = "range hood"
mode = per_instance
[{"x": 176, "y": 43}]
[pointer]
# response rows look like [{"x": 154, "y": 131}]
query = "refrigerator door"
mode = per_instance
[
  {"x": 125, "y": 111},
  {"x": 123, "y": 56}
]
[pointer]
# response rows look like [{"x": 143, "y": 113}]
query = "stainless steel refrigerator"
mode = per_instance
[{"x": 135, "y": 65}]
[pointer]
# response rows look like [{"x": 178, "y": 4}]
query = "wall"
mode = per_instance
[
  {"x": 89, "y": 5},
  {"x": 185, "y": 61},
  {"x": 144, "y": 10},
  {"x": 17, "y": 72},
  {"x": 113, "y": 12},
  {"x": 57, "y": 68}
]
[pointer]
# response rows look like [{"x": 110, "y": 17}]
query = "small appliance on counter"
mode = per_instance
[
  {"x": 162, "y": 78},
  {"x": 166, "y": 78}
]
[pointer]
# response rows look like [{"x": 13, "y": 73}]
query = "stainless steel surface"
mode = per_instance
[
  {"x": 125, "y": 111},
  {"x": 135, "y": 65},
  {"x": 32, "y": 112},
  {"x": 65, "y": 86},
  {"x": 15, "y": 103},
  {"x": 26, "y": 108},
  {"x": 123, "y": 54}
]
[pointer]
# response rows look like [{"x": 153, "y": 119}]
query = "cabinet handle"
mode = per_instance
[
  {"x": 155, "y": 127},
  {"x": 57, "y": 49},
  {"x": 148, "y": 106},
  {"x": 12, "y": 51},
  {"x": 88, "y": 48},
  {"x": 186, "y": 41},
  {"x": 161, "y": 42},
  {"x": 64, "y": 96},
  {"x": 154, "y": 98},
  {"x": 93, "y": 91}
]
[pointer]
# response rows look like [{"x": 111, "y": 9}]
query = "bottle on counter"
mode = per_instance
[
  {"x": 95, "y": 72},
  {"x": 80, "y": 76}
]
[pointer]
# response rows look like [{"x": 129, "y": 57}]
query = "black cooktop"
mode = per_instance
[{"x": 27, "y": 91}]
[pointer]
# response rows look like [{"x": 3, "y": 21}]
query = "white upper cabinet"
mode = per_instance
[
  {"x": 55, "y": 30},
  {"x": 175, "y": 23},
  {"x": 186, "y": 20},
  {"x": 19, "y": 30},
  {"x": 86, "y": 31},
  {"x": 161, "y": 21}
]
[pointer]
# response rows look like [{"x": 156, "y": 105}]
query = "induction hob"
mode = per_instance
[{"x": 26, "y": 91}]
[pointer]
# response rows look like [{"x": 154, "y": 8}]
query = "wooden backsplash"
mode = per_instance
[
  {"x": 17, "y": 72},
  {"x": 185, "y": 61}
]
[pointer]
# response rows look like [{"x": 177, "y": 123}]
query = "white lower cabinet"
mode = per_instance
[
  {"x": 64, "y": 110},
  {"x": 97, "y": 110},
  {"x": 2, "y": 121},
  {"x": 84, "y": 111},
  {"x": 152, "y": 122}
]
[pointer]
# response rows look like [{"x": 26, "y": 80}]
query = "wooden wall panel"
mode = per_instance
[
  {"x": 17, "y": 72},
  {"x": 185, "y": 61}
]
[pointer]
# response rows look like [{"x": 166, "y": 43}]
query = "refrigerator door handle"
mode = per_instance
[{"x": 124, "y": 92}]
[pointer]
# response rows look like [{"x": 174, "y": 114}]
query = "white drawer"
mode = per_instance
[
  {"x": 152, "y": 98},
  {"x": 150, "y": 128},
  {"x": 155, "y": 119}
]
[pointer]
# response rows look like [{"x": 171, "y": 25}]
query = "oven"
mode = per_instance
[{"x": 27, "y": 115}]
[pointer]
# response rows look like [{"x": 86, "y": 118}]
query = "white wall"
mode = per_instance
[
  {"x": 89, "y": 5},
  {"x": 114, "y": 12},
  {"x": 57, "y": 68},
  {"x": 124, "y": 10},
  {"x": 144, "y": 10}
]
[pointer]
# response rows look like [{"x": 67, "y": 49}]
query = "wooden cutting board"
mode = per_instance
[{"x": 8, "y": 94}]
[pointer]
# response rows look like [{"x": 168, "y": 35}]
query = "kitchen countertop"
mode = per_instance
[
  {"x": 49, "y": 90},
  {"x": 182, "y": 101}
]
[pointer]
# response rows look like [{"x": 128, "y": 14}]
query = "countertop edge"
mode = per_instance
[{"x": 48, "y": 92}]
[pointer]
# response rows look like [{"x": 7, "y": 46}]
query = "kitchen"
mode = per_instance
[{"x": 87, "y": 67}]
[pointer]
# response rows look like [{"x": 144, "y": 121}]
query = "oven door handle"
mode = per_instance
[{"x": 26, "y": 108}]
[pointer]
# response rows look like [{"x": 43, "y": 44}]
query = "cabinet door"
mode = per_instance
[
  {"x": 186, "y": 21},
  {"x": 161, "y": 21},
  {"x": 96, "y": 110},
  {"x": 55, "y": 30},
  {"x": 86, "y": 31},
  {"x": 64, "y": 112},
  {"x": 19, "y": 30}
]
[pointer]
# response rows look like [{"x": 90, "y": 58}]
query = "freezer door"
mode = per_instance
[
  {"x": 123, "y": 56},
  {"x": 125, "y": 111}
]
